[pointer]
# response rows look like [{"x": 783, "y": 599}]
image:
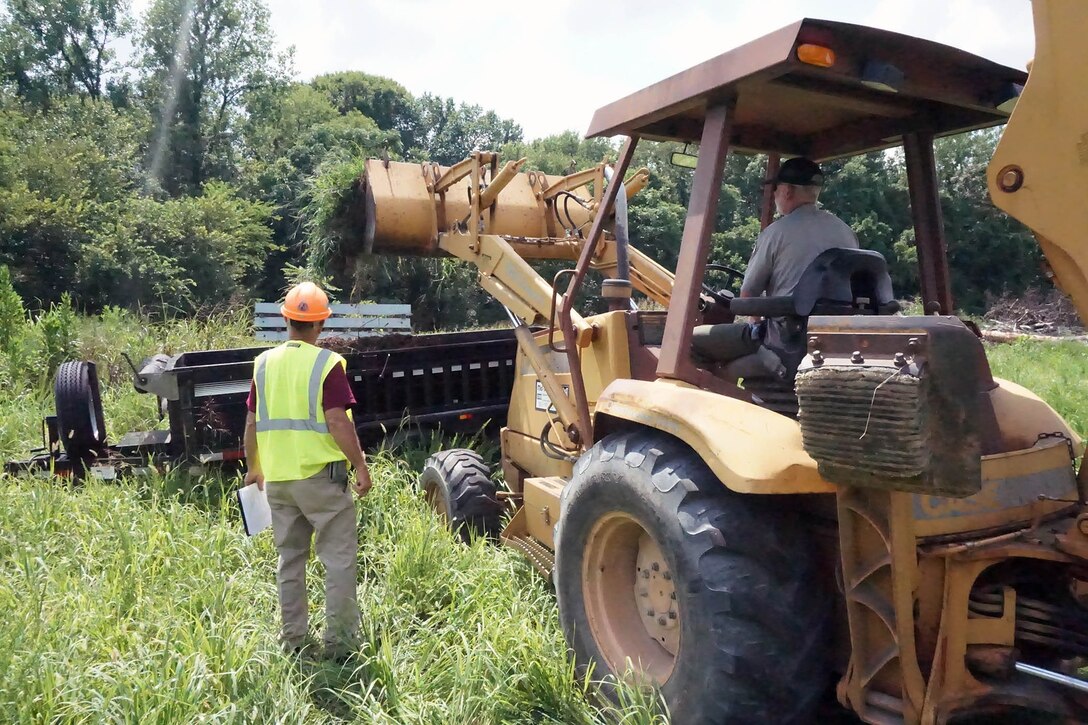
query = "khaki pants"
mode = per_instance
[{"x": 299, "y": 509}]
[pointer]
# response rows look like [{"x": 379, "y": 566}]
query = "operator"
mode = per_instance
[
  {"x": 782, "y": 252},
  {"x": 299, "y": 438}
]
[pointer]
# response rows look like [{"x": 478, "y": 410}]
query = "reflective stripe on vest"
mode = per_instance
[{"x": 265, "y": 424}]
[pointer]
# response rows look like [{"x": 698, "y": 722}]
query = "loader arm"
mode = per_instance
[
  {"x": 497, "y": 218},
  {"x": 1039, "y": 171}
]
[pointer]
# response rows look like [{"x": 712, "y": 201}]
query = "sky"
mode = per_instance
[{"x": 548, "y": 64}]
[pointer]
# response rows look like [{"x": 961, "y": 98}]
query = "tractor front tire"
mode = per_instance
[
  {"x": 712, "y": 596},
  {"x": 458, "y": 486}
]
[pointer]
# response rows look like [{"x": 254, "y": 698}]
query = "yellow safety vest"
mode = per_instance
[{"x": 292, "y": 436}]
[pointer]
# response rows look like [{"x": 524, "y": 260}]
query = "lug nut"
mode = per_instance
[
  {"x": 672, "y": 595},
  {"x": 645, "y": 573},
  {"x": 900, "y": 360},
  {"x": 661, "y": 621},
  {"x": 656, "y": 566},
  {"x": 667, "y": 576},
  {"x": 817, "y": 357},
  {"x": 672, "y": 614},
  {"x": 856, "y": 357},
  {"x": 649, "y": 612}
]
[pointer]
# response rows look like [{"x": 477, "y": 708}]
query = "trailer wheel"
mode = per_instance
[
  {"x": 458, "y": 486},
  {"x": 711, "y": 596},
  {"x": 81, "y": 424}
]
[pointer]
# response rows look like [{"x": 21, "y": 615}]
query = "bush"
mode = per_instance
[
  {"x": 12, "y": 313},
  {"x": 181, "y": 253},
  {"x": 57, "y": 330}
]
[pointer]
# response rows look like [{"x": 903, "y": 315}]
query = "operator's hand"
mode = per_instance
[
  {"x": 254, "y": 477},
  {"x": 362, "y": 483}
]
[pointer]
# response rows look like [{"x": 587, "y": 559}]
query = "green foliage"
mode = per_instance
[
  {"x": 382, "y": 100},
  {"x": 79, "y": 150},
  {"x": 657, "y": 223},
  {"x": 445, "y": 132},
  {"x": 987, "y": 250},
  {"x": 328, "y": 196},
  {"x": 180, "y": 252},
  {"x": 1055, "y": 371},
  {"x": 12, "y": 313},
  {"x": 40, "y": 242},
  {"x": 58, "y": 334},
  {"x": 219, "y": 239},
  {"x": 97, "y": 162},
  {"x": 49, "y": 48},
  {"x": 197, "y": 84},
  {"x": 295, "y": 275},
  {"x": 16, "y": 353},
  {"x": 560, "y": 154}
]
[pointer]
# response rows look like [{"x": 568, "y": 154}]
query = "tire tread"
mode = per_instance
[
  {"x": 754, "y": 576},
  {"x": 471, "y": 494}
]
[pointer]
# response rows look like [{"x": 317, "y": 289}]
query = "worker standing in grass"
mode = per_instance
[{"x": 299, "y": 438}]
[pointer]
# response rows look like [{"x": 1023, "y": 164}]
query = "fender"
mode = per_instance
[{"x": 750, "y": 449}]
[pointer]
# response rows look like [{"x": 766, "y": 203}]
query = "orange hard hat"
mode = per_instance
[{"x": 306, "y": 302}]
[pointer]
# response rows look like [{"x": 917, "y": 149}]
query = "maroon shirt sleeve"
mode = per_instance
[
  {"x": 251, "y": 401},
  {"x": 336, "y": 391}
]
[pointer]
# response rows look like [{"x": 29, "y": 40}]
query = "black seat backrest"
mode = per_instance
[
  {"x": 844, "y": 282},
  {"x": 837, "y": 282}
]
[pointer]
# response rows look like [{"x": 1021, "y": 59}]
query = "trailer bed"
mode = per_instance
[{"x": 459, "y": 382}]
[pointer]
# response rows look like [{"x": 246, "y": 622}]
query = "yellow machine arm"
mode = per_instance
[
  {"x": 1039, "y": 173},
  {"x": 497, "y": 218}
]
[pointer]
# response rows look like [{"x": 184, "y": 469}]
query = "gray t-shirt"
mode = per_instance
[{"x": 786, "y": 248}]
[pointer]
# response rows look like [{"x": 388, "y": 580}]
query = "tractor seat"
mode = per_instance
[{"x": 837, "y": 282}]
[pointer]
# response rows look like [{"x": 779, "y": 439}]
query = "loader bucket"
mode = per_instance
[{"x": 407, "y": 205}]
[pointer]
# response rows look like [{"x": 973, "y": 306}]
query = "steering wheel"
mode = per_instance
[{"x": 735, "y": 276}]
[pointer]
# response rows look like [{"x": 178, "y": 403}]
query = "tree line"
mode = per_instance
[{"x": 169, "y": 162}]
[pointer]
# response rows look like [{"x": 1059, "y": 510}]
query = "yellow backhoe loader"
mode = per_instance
[{"x": 873, "y": 515}]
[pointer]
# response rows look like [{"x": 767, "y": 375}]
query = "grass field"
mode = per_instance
[{"x": 142, "y": 601}]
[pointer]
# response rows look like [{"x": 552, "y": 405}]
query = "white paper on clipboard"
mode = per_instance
[{"x": 256, "y": 514}]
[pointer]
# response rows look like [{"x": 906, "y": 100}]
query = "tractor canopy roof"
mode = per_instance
[{"x": 822, "y": 89}]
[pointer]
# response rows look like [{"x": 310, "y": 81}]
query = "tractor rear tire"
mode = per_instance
[
  {"x": 458, "y": 486},
  {"x": 81, "y": 423},
  {"x": 712, "y": 596}
]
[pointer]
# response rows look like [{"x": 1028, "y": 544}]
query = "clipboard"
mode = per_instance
[{"x": 256, "y": 513}]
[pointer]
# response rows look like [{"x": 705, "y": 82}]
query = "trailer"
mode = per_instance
[{"x": 458, "y": 382}]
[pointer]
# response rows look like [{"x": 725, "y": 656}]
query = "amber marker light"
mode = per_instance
[{"x": 816, "y": 55}]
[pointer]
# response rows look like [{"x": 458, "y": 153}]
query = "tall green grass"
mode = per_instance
[
  {"x": 142, "y": 600},
  {"x": 1055, "y": 371},
  {"x": 126, "y": 603}
]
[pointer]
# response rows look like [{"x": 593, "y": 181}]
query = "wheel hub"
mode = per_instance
[
  {"x": 655, "y": 595},
  {"x": 621, "y": 586},
  {"x": 434, "y": 495}
]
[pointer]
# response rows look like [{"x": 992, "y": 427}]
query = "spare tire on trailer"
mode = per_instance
[
  {"x": 81, "y": 424},
  {"x": 713, "y": 596},
  {"x": 458, "y": 486}
]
